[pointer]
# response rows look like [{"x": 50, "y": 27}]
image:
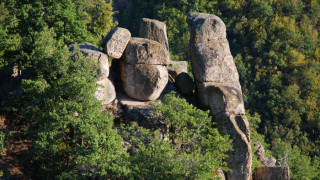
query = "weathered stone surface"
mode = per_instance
[
  {"x": 221, "y": 98},
  {"x": 260, "y": 153},
  {"x": 240, "y": 159},
  {"x": 145, "y": 51},
  {"x": 154, "y": 30},
  {"x": 143, "y": 81},
  {"x": 211, "y": 58},
  {"x": 116, "y": 42},
  {"x": 105, "y": 92},
  {"x": 177, "y": 67},
  {"x": 95, "y": 54},
  {"x": 218, "y": 87},
  {"x": 185, "y": 83},
  {"x": 272, "y": 173}
]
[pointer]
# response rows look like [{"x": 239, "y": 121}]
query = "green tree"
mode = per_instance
[{"x": 71, "y": 138}]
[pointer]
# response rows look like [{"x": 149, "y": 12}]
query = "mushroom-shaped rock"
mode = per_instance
[
  {"x": 97, "y": 55},
  {"x": 105, "y": 92},
  {"x": 154, "y": 30},
  {"x": 145, "y": 51},
  {"x": 116, "y": 41},
  {"x": 143, "y": 81}
]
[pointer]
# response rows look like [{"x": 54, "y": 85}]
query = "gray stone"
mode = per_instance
[
  {"x": 240, "y": 159},
  {"x": 272, "y": 173},
  {"x": 221, "y": 97},
  {"x": 218, "y": 87},
  {"x": 177, "y": 67},
  {"x": 105, "y": 92},
  {"x": 116, "y": 42},
  {"x": 145, "y": 51},
  {"x": 185, "y": 83},
  {"x": 143, "y": 81},
  {"x": 260, "y": 153},
  {"x": 154, "y": 30},
  {"x": 93, "y": 53},
  {"x": 211, "y": 58}
]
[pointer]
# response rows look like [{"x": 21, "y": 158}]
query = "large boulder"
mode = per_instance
[
  {"x": 105, "y": 92},
  {"x": 93, "y": 53},
  {"x": 154, "y": 30},
  {"x": 116, "y": 41},
  {"x": 145, "y": 51},
  {"x": 218, "y": 88},
  {"x": 260, "y": 153},
  {"x": 211, "y": 58},
  {"x": 272, "y": 173},
  {"x": 220, "y": 98},
  {"x": 143, "y": 81}
]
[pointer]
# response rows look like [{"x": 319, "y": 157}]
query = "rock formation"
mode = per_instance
[
  {"x": 143, "y": 73},
  {"x": 105, "y": 91},
  {"x": 176, "y": 67},
  {"x": 218, "y": 87},
  {"x": 270, "y": 169},
  {"x": 116, "y": 41},
  {"x": 154, "y": 30},
  {"x": 184, "y": 83}
]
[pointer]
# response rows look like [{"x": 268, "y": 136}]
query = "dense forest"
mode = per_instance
[{"x": 275, "y": 45}]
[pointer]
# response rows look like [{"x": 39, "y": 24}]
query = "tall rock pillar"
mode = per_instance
[{"x": 218, "y": 88}]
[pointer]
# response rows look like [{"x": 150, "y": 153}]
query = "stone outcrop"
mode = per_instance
[
  {"x": 105, "y": 91},
  {"x": 218, "y": 88},
  {"x": 154, "y": 30},
  {"x": 272, "y": 173},
  {"x": 116, "y": 41},
  {"x": 260, "y": 153}
]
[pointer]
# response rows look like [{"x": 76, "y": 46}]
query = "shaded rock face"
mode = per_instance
[
  {"x": 218, "y": 88},
  {"x": 93, "y": 53},
  {"x": 145, "y": 51},
  {"x": 154, "y": 30},
  {"x": 143, "y": 81},
  {"x": 271, "y": 173},
  {"x": 116, "y": 41},
  {"x": 184, "y": 83}
]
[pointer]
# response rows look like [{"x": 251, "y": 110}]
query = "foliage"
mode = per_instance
[
  {"x": 2, "y": 136},
  {"x": 71, "y": 138},
  {"x": 194, "y": 149}
]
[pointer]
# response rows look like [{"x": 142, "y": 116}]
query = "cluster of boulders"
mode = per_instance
[
  {"x": 145, "y": 69},
  {"x": 144, "y": 62}
]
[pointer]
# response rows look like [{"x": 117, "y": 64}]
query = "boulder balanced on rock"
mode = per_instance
[
  {"x": 154, "y": 30},
  {"x": 219, "y": 89},
  {"x": 116, "y": 41},
  {"x": 143, "y": 73}
]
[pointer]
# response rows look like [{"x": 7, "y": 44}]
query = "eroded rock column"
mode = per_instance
[{"x": 218, "y": 88}]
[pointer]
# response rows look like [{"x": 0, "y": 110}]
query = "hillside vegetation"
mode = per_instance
[{"x": 276, "y": 47}]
